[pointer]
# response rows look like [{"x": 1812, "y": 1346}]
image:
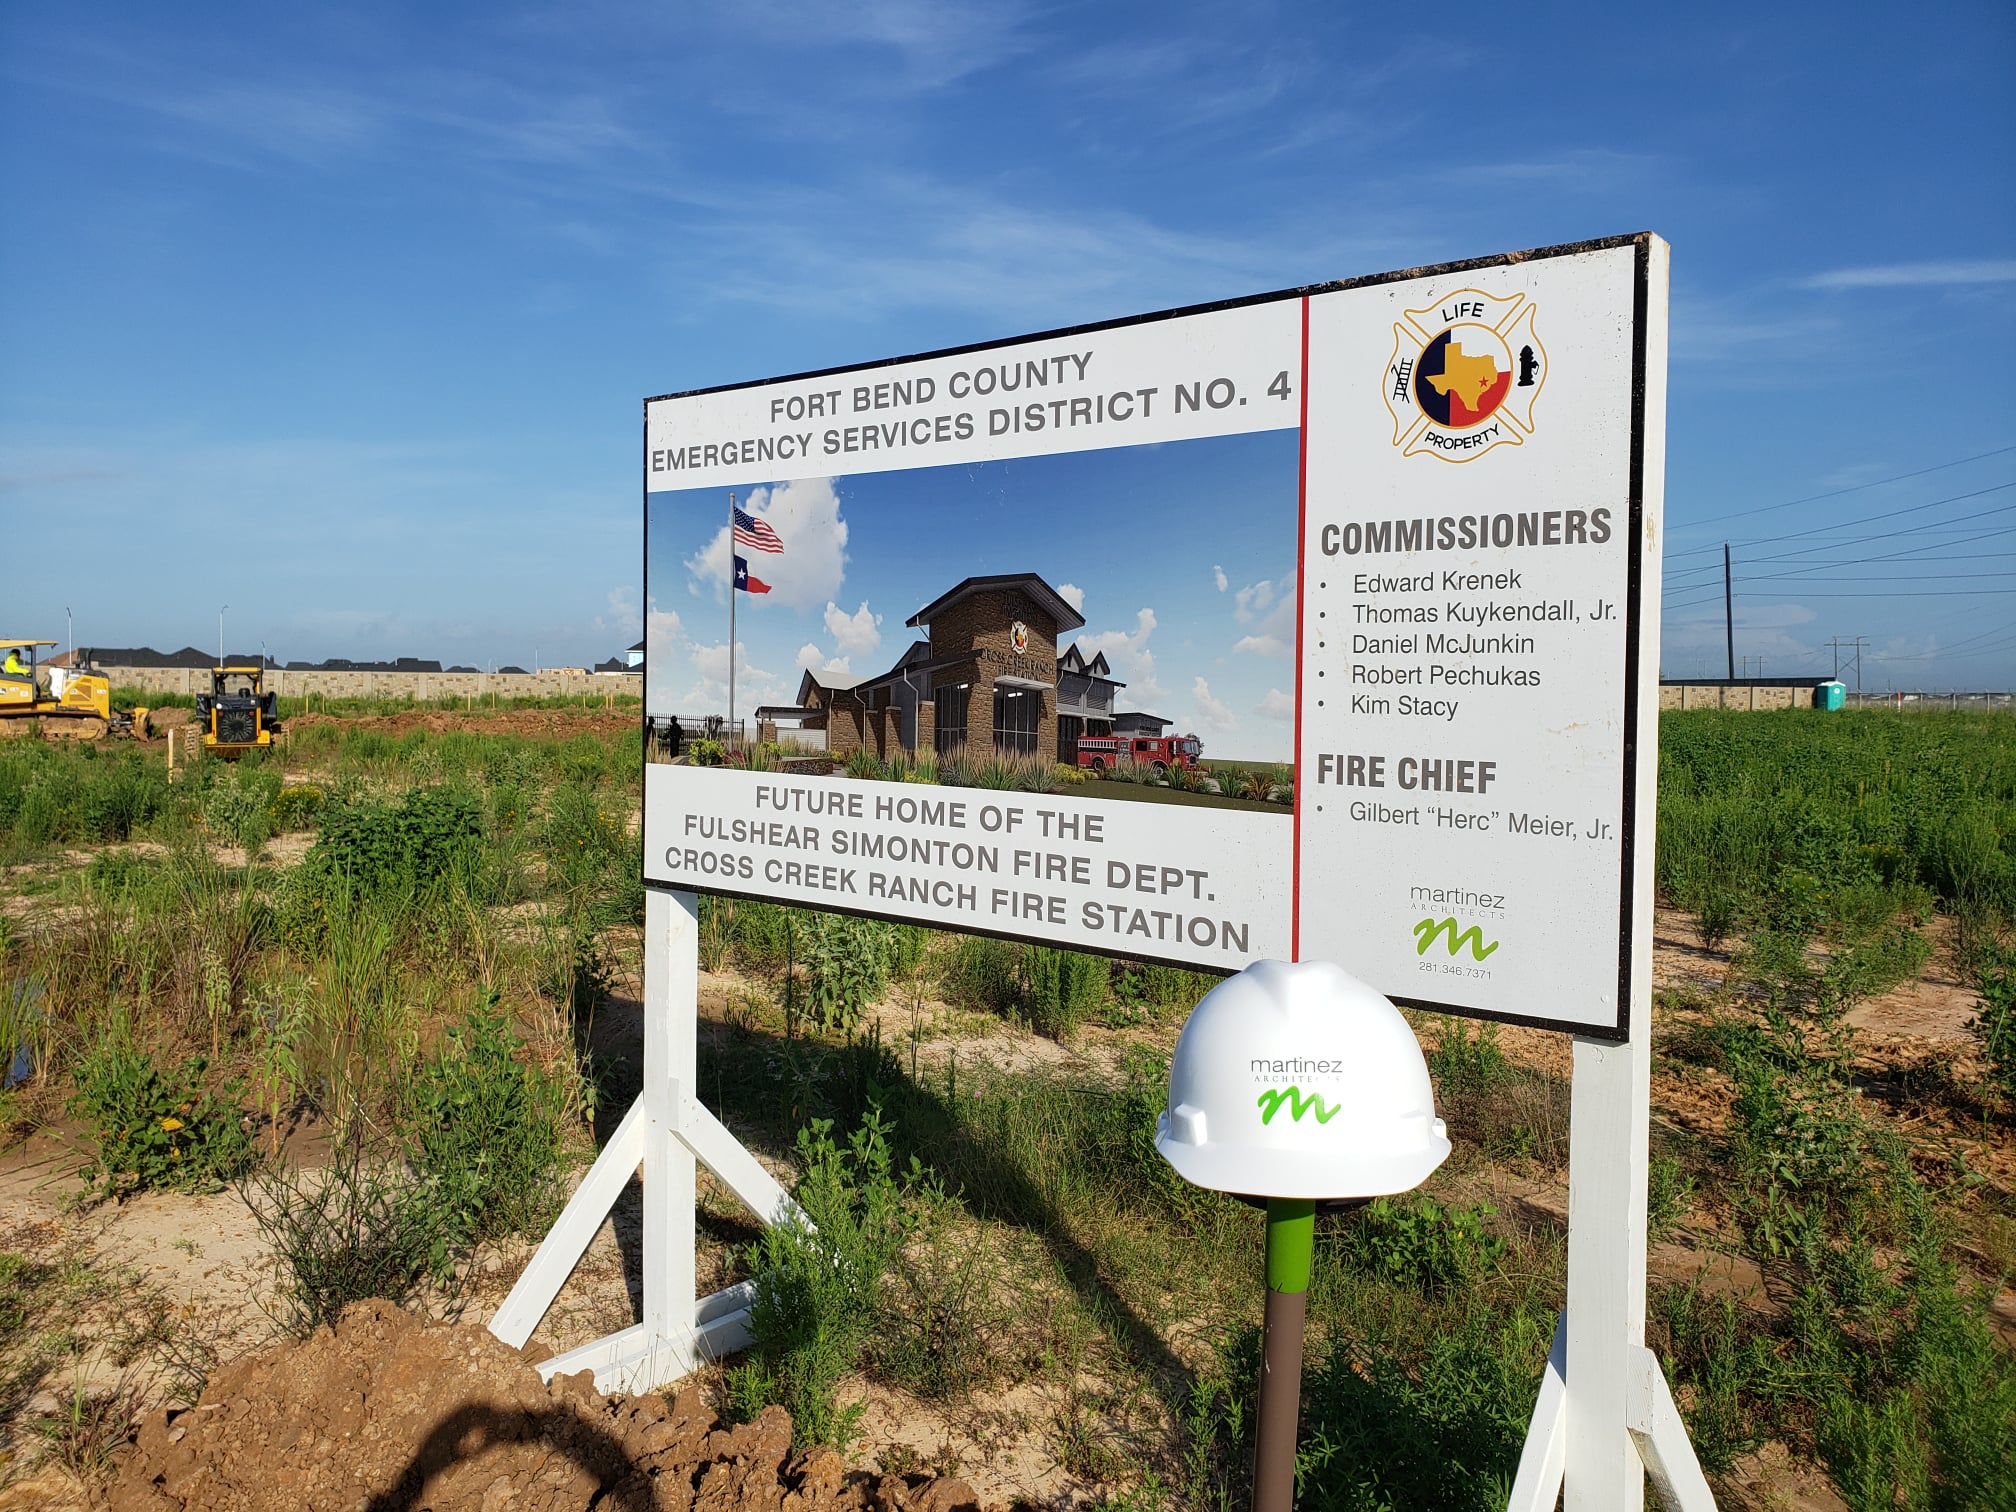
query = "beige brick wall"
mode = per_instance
[
  {"x": 1734, "y": 696},
  {"x": 416, "y": 685}
]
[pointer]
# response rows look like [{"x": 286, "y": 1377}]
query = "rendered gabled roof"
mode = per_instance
[{"x": 1039, "y": 592}]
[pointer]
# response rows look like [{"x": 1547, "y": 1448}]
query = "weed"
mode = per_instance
[
  {"x": 1416, "y": 1241},
  {"x": 1668, "y": 1191},
  {"x": 1061, "y": 987},
  {"x": 1467, "y": 1060},
  {"x": 818, "y": 1289},
  {"x": 1167, "y": 990},
  {"x": 238, "y": 804},
  {"x": 484, "y": 1131},
  {"x": 296, "y": 807},
  {"x": 980, "y": 973},
  {"x": 90, "y": 1426},
  {"x": 1443, "y": 1430},
  {"x": 942, "y": 1322},
  {"x": 148, "y": 1131},
  {"x": 1994, "y": 1021},
  {"x": 428, "y": 838},
  {"x": 357, "y": 1228}
]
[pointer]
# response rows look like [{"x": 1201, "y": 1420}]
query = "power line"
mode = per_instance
[
  {"x": 1880, "y": 535},
  {"x": 1888, "y": 514},
  {"x": 1983, "y": 635},
  {"x": 1960, "y": 650},
  {"x": 1929, "y": 577},
  {"x": 1956, "y": 593},
  {"x": 1711, "y": 598},
  {"x": 1838, "y": 492}
]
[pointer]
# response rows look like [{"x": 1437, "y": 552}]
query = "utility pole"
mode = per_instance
[
  {"x": 1853, "y": 643},
  {"x": 730, "y": 611},
  {"x": 1728, "y": 614}
]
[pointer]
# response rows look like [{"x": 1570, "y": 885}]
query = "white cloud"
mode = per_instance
[
  {"x": 1276, "y": 705},
  {"x": 1947, "y": 273},
  {"x": 812, "y": 659},
  {"x": 856, "y": 634},
  {"x": 622, "y": 618},
  {"x": 1212, "y": 711},
  {"x": 1269, "y": 606},
  {"x": 1127, "y": 651},
  {"x": 709, "y": 694},
  {"x": 809, "y": 570},
  {"x": 1252, "y": 599},
  {"x": 1694, "y": 643},
  {"x": 1218, "y": 577},
  {"x": 664, "y": 637},
  {"x": 1073, "y": 595}
]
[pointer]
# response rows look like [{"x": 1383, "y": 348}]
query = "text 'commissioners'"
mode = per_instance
[{"x": 1303, "y": 626}]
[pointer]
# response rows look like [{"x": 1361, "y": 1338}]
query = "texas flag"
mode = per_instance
[{"x": 746, "y": 580}]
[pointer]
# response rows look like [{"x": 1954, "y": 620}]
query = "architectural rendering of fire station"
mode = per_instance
[{"x": 988, "y": 676}]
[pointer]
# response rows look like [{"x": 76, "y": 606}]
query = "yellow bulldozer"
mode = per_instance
[
  {"x": 76, "y": 704},
  {"x": 238, "y": 714}
]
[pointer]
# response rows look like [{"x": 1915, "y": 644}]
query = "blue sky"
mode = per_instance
[
  {"x": 363, "y": 299},
  {"x": 1181, "y": 557}
]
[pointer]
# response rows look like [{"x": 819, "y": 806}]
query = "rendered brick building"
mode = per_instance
[{"x": 988, "y": 677}]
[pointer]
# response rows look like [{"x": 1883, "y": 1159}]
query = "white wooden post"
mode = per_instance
[
  {"x": 664, "y": 1131},
  {"x": 1607, "y": 1147},
  {"x": 1605, "y": 1415},
  {"x": 671, "y": 1003}
]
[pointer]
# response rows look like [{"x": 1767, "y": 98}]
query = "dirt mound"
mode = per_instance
[
  {"x": 393, "y": 1411},
  {"x": 556, "y": 724}
]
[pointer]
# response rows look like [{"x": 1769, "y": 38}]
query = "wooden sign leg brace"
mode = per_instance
[
  {"x": 1598, "y": 1430},
  {"x": 665, "y": 1132}
]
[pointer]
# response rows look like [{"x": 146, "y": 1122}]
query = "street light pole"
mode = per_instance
[{"x": 220, "y": 633}]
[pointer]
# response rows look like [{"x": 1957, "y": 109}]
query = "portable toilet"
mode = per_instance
[{"x": 1830, "y": 695}]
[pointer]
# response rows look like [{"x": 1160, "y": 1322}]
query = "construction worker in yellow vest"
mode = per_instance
[{"x": 15, "y": 667}]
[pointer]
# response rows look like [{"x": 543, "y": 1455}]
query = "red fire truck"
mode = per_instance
[{"x": 1102, "y": 753}]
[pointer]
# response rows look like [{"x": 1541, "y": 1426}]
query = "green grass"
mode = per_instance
[{"x": 483, "y": 881}]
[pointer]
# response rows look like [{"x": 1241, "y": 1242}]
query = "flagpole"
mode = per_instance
[{"x": 732, "y": 590}]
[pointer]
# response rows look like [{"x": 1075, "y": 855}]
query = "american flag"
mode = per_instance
[{"x": 750, "y": 531}]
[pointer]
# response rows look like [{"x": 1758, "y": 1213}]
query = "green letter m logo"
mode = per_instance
[
  {"x": 1271, "y": 1101},
  {"x": 1426, "y": 931}
]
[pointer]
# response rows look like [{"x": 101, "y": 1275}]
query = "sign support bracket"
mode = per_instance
[
  {"x": 668, "y": 1133},
  {"x": 1597, "y": 1432}
]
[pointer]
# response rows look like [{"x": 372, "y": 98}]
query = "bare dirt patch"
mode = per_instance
[{"x": 388, "y": 1410}]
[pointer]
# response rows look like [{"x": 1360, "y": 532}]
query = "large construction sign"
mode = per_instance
[{"x": 1305, "y": 626}]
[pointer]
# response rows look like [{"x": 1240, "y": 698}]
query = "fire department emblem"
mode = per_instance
[
  {"x": 1018, "y": 637},
  {"x": 1464, "y": 375}
]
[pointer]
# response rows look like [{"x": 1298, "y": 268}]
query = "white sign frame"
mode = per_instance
[{"x": 1578, "y": 319}]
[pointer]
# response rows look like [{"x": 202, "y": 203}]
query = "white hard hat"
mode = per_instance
[{"x": 1298, "y": 1080}]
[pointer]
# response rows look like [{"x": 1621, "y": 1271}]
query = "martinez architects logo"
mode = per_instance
[
  {"x": 1300, "y": 1068},
  {"x": 1464, "y": 375},
  {"x": 1428, "y": 930}
]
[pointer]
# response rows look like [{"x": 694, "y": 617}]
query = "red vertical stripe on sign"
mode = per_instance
[{"x": 1301, "y": 589}]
